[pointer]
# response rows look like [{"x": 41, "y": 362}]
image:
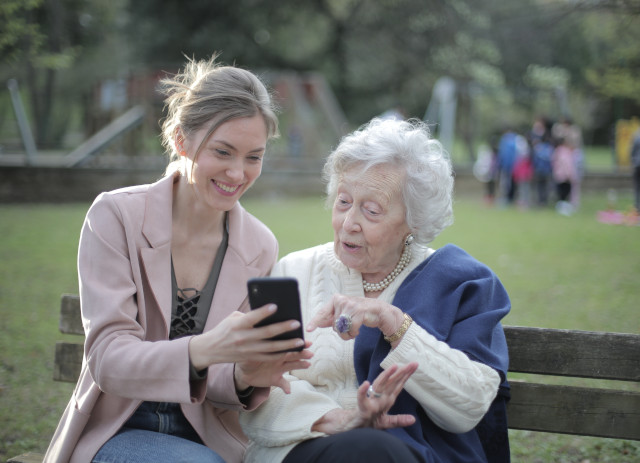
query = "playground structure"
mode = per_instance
[
  {"x": 311, "y": 119},
  {"x": 442, "y": 110},
  {"x": 311, "y": 122}
]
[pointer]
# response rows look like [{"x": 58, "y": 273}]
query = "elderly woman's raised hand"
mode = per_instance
[
  {"x": 358, "y": 311},
  {"x": 374, "y": 402}
]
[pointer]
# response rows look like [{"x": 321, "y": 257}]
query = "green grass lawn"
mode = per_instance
[{"x": 561, "y": 272}]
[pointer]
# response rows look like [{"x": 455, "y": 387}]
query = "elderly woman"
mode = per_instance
[{"x": 417, "y": 354}]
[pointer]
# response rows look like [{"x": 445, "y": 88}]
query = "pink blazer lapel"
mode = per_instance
[{"x": 156, "y": 259}]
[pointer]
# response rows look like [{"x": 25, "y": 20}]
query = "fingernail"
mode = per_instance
[
  {"x": 295, "y": 324},
  {"x": 272, "y": 307},
  {"x": 299, "y": 343}
]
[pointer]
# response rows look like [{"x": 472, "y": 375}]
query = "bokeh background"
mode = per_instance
[{"x": 333, "y": 65}]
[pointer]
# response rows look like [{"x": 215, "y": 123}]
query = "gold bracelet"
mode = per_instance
[{"x": 402, "y": 330}]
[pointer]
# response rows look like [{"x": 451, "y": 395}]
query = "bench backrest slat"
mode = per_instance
[
  {"x": 574, "y": 410},
  {"x": 68, "y": 355},
  {"x": 68, "y": 362},
  {"x": 574, "y": 353},
  {"x": 70, "y": 317}
]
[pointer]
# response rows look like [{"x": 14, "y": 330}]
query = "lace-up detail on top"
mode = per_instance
[
  {"x": 190, "y": 306},
  {"x": 183, "y": 321}
]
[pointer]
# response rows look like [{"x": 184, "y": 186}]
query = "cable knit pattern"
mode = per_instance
[{"x": 454, "y": 390}]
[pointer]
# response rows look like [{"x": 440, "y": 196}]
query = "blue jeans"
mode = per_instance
[
  {"x": 360, "y": 444},
  {"x": 157, "y": 432}
]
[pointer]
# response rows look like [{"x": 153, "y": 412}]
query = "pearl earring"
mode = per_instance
[{"x": 408, "y": 240}]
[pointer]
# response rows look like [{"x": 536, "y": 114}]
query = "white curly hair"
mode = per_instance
[{"x": 427, "y": 189}]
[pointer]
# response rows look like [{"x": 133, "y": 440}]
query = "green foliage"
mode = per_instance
[
  {"x": 612, "y": 40},
  {"x": 615, "y": 82},
  {"x": 56, "y": 61},
  {"x": 546, "y": 77},
  {"x": 375, "y": 54},
  {"x": 370, "y": 51},
  {"x": 27, "y": 33},
  {"x": 379, "y": 55},
  {"x": 18, "y": 35},
  {"x": 48, "y": 48}
]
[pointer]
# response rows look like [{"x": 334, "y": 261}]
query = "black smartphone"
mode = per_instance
[{"x": 283, "y": 292}]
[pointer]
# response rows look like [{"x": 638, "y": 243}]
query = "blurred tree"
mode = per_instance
[
  {"x": 376, "y": 54},
  {"x": 571, "y": 57},
  {"x": 613, "y": 40},
  {"x": 18, "y": 35},
  {"x": 39, "y": 41}
]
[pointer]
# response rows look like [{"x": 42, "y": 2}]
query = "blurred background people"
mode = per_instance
[
  {"x": 507, "y": 156},
  {"x": 523, "y": 173},
  {"x": 564, "y": 172},
  {"x": 541, "y": 153}
]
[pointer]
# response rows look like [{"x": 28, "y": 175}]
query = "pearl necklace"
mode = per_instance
[{"x": 402, "y": 264}]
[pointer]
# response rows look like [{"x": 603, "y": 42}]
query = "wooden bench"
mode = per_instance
[
  {"x": 535, "y": 406},
  {"x": 68, "y": 356},
  {"x": 587, "y": 411}
]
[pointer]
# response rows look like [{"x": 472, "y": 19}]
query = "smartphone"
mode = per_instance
[{"x": 283, "y": 292}]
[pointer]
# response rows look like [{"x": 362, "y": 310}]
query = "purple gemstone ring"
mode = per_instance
[{"x": 342, "y": 324}]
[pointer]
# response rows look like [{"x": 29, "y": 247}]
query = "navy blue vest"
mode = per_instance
[{"x": 460, "y": 301}]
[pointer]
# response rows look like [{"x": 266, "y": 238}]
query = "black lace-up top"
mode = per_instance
[{"x": 190, "y": 306}]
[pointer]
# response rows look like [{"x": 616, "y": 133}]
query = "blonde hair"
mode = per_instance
[{"x": 205, "y": 92}]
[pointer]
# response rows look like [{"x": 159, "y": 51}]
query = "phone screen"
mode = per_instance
[{"x": 283, "y": 292}]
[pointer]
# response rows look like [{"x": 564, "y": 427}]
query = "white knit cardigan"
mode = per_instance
[{"x": 454, "y": 391}]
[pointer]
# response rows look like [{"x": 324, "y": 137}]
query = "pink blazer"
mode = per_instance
[{"x": 125, "y": 289}]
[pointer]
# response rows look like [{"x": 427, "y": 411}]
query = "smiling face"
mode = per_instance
[
  {"x": 368, "y": 219},
  {"x": 228, "y": 162}
]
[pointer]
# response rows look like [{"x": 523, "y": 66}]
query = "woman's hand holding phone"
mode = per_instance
[
  {"x": 282, "y": 356},
  {"x": 262, "y": 354},
  {"x": 280, "y": 327}
]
